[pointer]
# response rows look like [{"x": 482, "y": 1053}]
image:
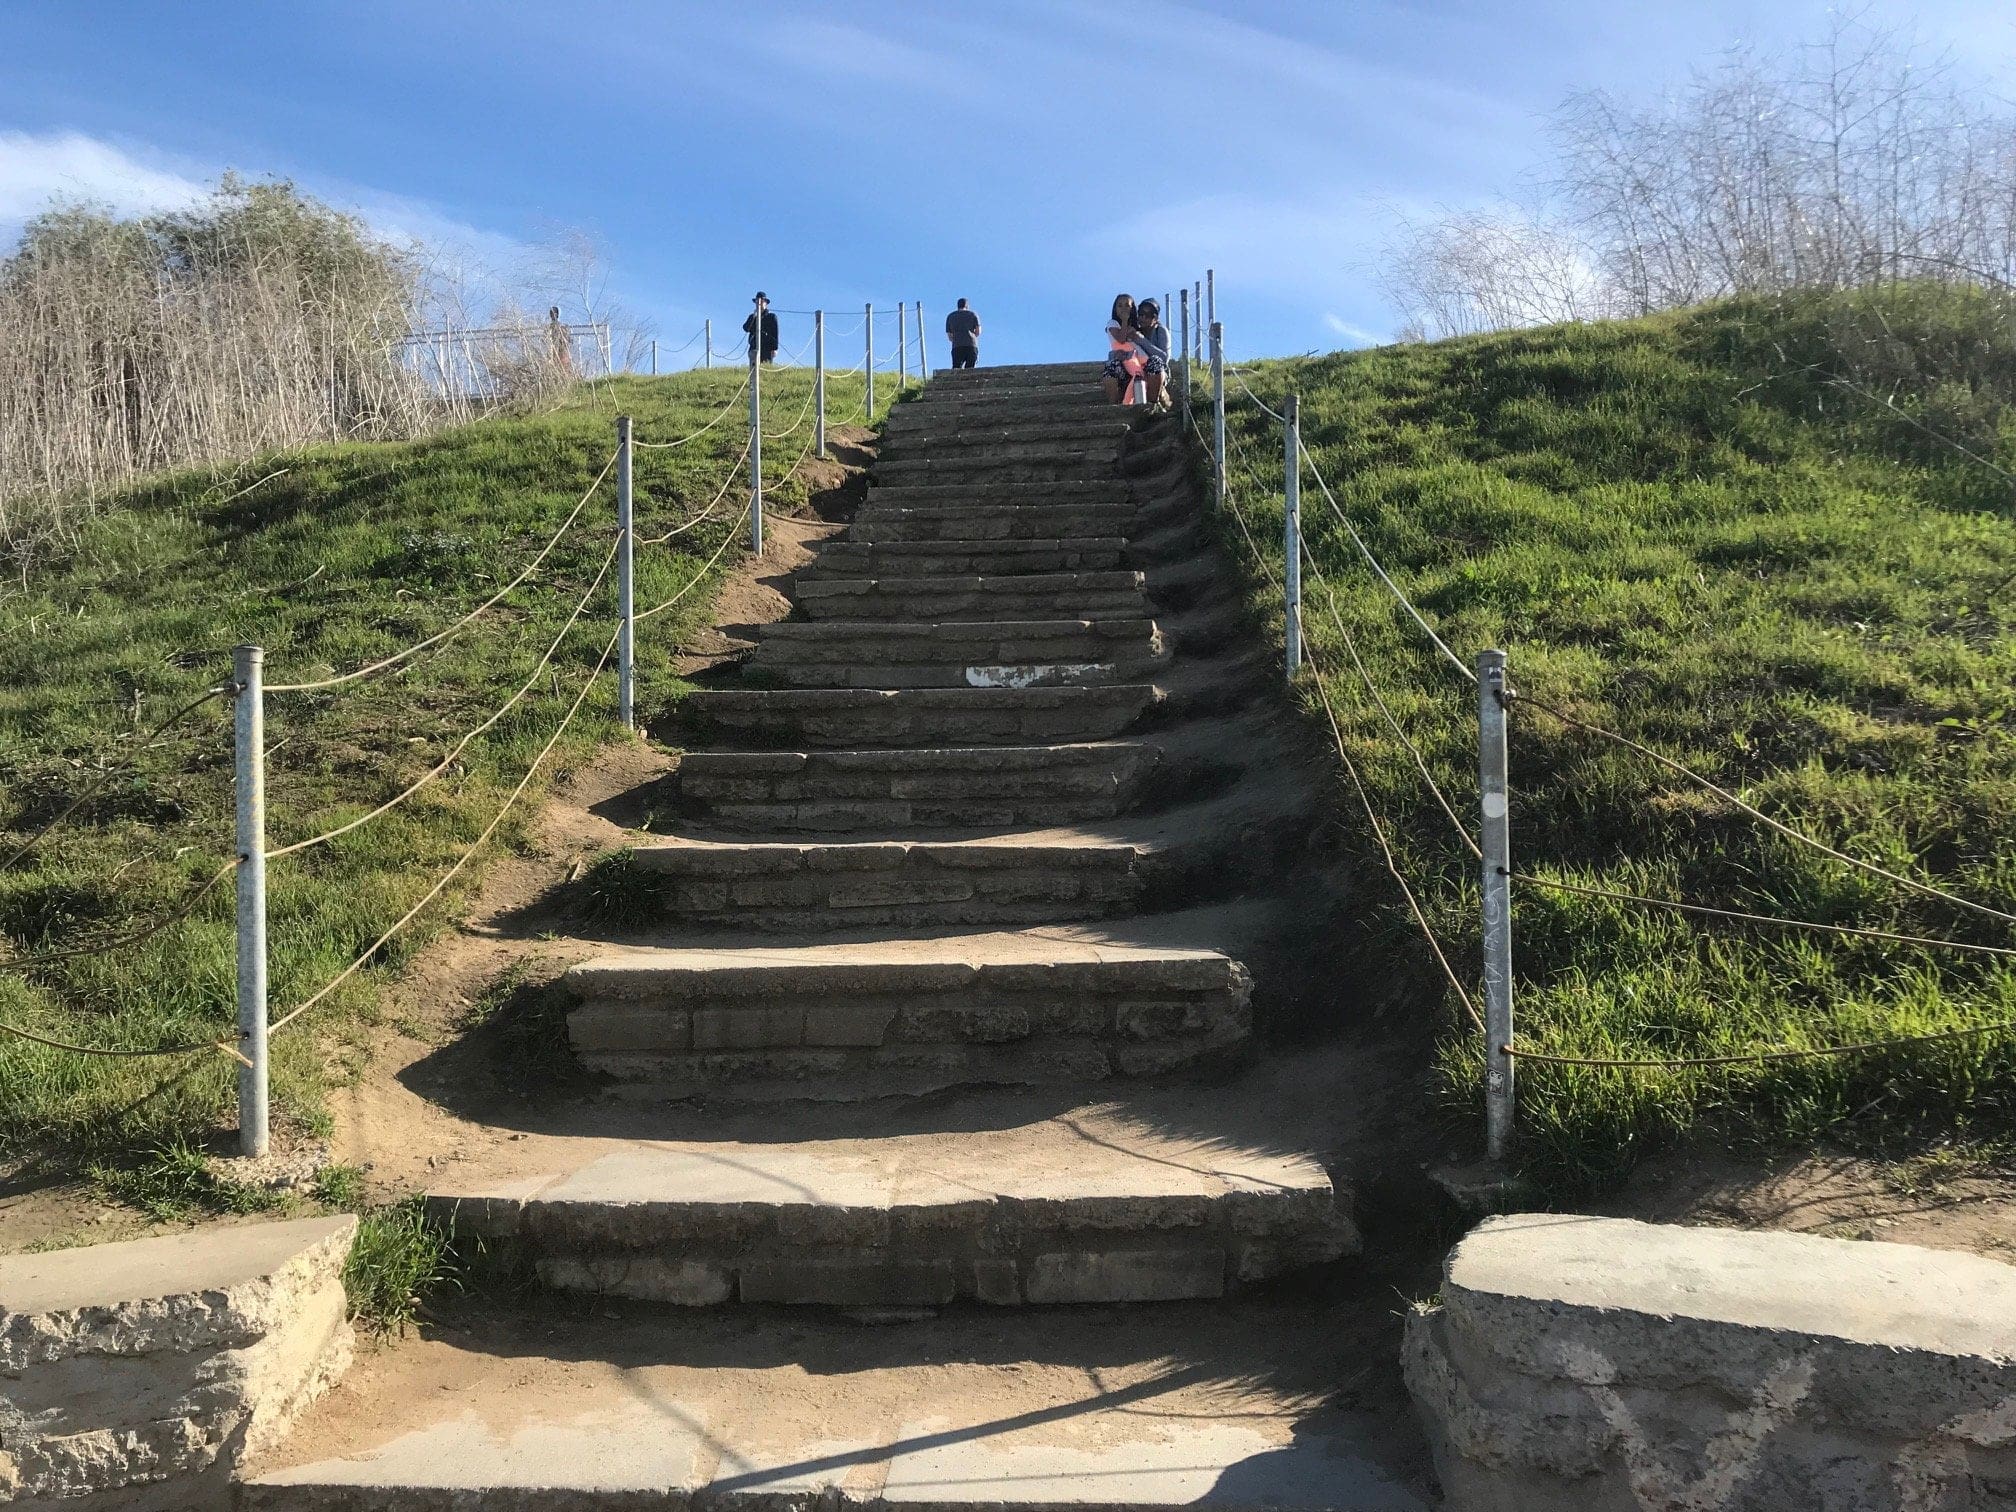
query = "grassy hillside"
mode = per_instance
[
  {"x": 340, "y": 556},
  {"x": 1690, "y": 530}
]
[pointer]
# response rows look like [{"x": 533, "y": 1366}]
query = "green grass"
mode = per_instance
[
  {"x": 352, "y": 552},
  {"x": 1680, "y": 529},
  {"x": 399, "y": 1259}
]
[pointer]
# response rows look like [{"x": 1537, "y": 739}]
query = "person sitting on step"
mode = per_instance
[
  {"x": 1124, "y": 362},
  {"x": 1151, "y": 340}
]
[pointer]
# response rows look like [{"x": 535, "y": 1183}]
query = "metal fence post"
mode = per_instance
[
  {"x": 1218, "y": 407},
  {"x": 1211, "y": 295},
  {"x": 819, "y": 379},
  {"x": 755, "y": 451},
  {"x": 654, "y": 356},
  {"x": 923, "y": 355},
  {"x": 707, "y": 343},
  {"x": 902, "y": 346},
  {"x": 1496, "y": 841},
  {"x": 868, "y": 367},
  {"x": 1291, "y": 579},
  {"x": 1185, "y": 370},
  {"x": 626, "y": 582},
  {"x": 249, "y": 731}
]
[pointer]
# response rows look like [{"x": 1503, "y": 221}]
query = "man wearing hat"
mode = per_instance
[{"x": 765, "y": 323}]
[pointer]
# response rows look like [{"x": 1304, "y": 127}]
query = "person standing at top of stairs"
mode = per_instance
[
  {"x": 761, "y": 328},
  {"x": 962, "y": 329}
]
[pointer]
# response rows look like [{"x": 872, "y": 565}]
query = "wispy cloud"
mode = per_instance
[
  {"x": 37, "y": 170},
  {"x": 1356, "y": 334}
]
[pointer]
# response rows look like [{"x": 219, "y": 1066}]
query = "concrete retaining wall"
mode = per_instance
[
  {"x": 141, "y": 1375},
  {"x": 1601, "y": 1365}
]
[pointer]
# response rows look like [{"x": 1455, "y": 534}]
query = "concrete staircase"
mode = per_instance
[{"x": 980, "y": 816}]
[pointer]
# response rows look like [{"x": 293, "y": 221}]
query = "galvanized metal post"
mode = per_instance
[
  {"x": 707, "y": 343},
  {"x": 1496, "y": 840},
  {"x": 1218, "y": 408},
  {"x": 756, "y": 448},
  {"x": 1291, "y": 579},
  {"x": 868, "y": 325},
  {"x": 249, "y": 731},
  {"x": 1197, "y": 304},
  {"x": 1185, "y": 411},
  {"x": 902, "y": 347},
  {"x": 819, "y": 378},
  {"x": 1211, "y": 295},
  {"x": 923, "y": 355},
  {"x": 654, "y": 356},
  {"x": 626, "y": 583}
]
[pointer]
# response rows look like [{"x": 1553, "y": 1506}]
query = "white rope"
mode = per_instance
[{"x": 718, "y": 418}]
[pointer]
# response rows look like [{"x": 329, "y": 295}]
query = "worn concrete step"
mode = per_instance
[
  {"x": 954, "y": 382},
  {"x": 1042, "y": 595},
  {"x": 626, "y": 1406},
  {"x": 878, "y": 522},
  {"x": 1022, "y": 406},
  {"x": 980, "y": 491},
  {"x": 1035, "y": 443},
  {"x": 827, "y": 718},
  {"x": 996, "y": 558},
  {"x": 819, "y": 791},
  {"x": 973, "y": 654},
  {"x": 901, "y": 1017},
  {"x": 834, "y": 886},
  {"x": 1032, "y": 1214},
  {"x": 1062, "y": 466},
  {"x": 910, "y": 421}
]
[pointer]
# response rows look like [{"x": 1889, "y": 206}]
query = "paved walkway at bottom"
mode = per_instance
[{"x": 1097, "y": 1409}]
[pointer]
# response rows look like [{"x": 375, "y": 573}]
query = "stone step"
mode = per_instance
[
  {"x": 1063, "y": 466},
  {"x": 900, "y": 1017},
  {"x": 832, "y": 886},
  {"x": 961, "y": 422},
  {"x": 1023, "y": 444},
  {"x": 628, "y": 1406},
  {"x": 819, "y": 791},
  {"x": 1032, "y": 1214},
  {"x": 981, "y": 491},
  {"x": 998, "y": 558},
  {"x": 848, "y": 718},
  {"x": 953, "y": 382},
  {"x": 975, "y": 654},
  {"x": 877, "y": 522},
  {"x": 1042, "y": 595}
]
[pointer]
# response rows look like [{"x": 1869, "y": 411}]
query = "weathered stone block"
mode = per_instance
[
  {"x": 1125, "y": 1275},
  {"x": 684, "y": 1283},
  {"x": 141, "y": 1374},
  {"x": 850, "y": 1281},
  {"x": 1588, "y": 1363}
]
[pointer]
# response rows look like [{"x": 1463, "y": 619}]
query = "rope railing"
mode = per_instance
[
  {"x": 1234, "y": 471},
  {"x": 468, "y": 619},
  {"x": 247, "y": 689}
]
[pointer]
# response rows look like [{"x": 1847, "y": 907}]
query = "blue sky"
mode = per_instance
[{"x": 1033, "y": 155}]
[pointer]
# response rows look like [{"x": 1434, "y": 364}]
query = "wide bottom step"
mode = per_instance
[
  {"x": 1034, "y": 1215},
  {"x": 1207, "y": 1405}
]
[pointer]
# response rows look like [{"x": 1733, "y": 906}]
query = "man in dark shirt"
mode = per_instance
[
  {"x": 962, "y": 327},
  {"x": 767, "y": 323}
]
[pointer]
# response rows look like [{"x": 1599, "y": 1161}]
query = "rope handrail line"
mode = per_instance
[
  {"x": 1365, "y": 798},
  {"x": 105, "y": 777},
  {"x": 727, "y": 482},
  {"x": 1262, "y": 403},
  {"x": 1756, "y": 813},
  {"x": 418, "y": 646},
  {"x": 1366, "y": 552},
  {"x": 811, "y": 392},
  {"x": 1556, "y": 885},
  {"x": 463, "y": 860},
  {"x": 1365, "y": 676},
  {"x": 706, "y": 567},
  {"x": 110, "y": 1052},
  {"x": 175, "y": 915},
  {"x": 719, "y": 415},
  {"x": 464, "y": 743},
  {"x": 675, "y": 351},
  {"x": 1757, "y": 1057}
]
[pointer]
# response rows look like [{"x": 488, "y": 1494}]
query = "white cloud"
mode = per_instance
[
  {"x": 1354, "y": 333},
  {"x": 34, "y": 170}
]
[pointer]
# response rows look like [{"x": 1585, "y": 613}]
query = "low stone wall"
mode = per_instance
[
  {"x": 141, "y": 1375},
  {"x": 1578, "y": 1364}
]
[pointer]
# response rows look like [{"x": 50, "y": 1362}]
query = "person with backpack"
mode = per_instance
[{"x": 962, "y": 329}]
